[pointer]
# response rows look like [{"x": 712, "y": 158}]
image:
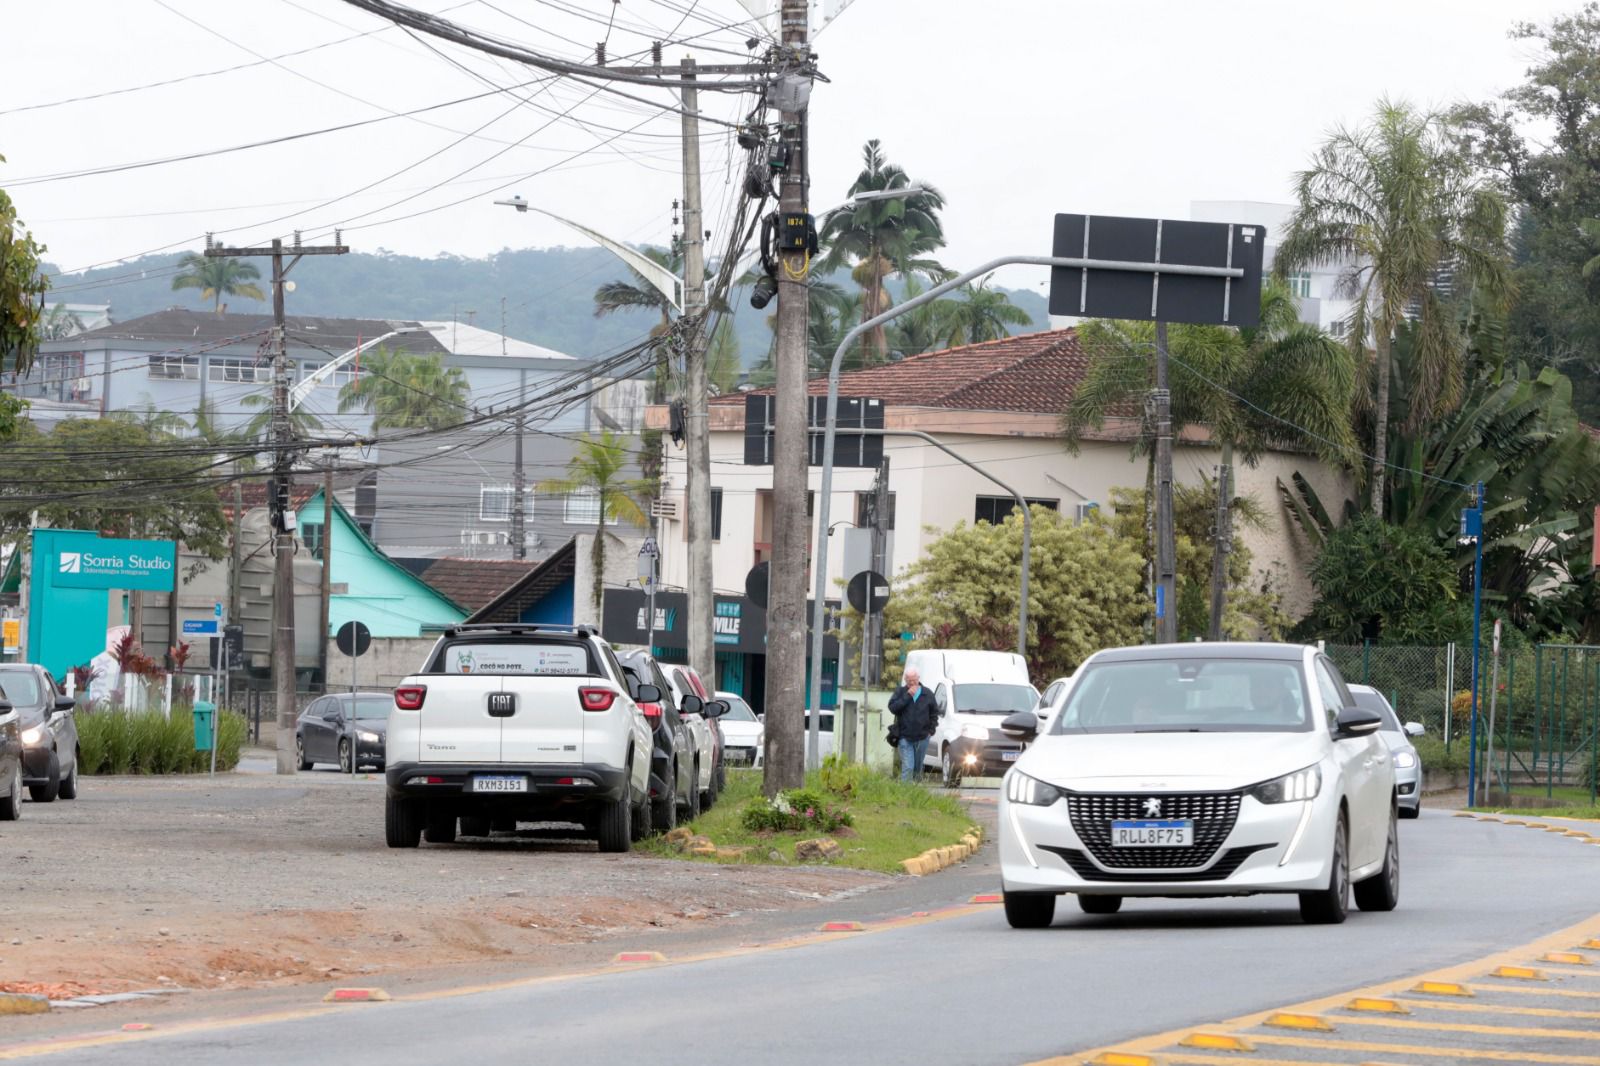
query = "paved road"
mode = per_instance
[{"x": 962, "y": 988}]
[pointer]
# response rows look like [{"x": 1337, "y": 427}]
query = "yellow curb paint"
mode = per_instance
[
  {"x": 1434, "y": 1025},
  {"x": 1118, "y": 1058},
  {"x": 1568, "y": 958},
  {"x": 1590, "y": 945},
  {"x": 1450, "y": 1054},
  {"x": 1298, "y": 1021},
  {"x": 1441, "y": 988},
  {"x": 356, "y": 995},
  {"x": 1518, "y": 973},
  {"x": 1381, "y": 1006},
  {"x": 12, "y": 1003},
  {"x": 1543, "y": 990},
  {"x": 1216, "y": 1042}
]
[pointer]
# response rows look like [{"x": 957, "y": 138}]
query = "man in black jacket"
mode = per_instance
[{"x": 916, "y": 716}]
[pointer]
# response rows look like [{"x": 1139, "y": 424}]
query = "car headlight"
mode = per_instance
[
  {"x": 33, "y": 736},
  {"x": 370, "y": 738},
  {"x": 1020, "y": 788},
  {"x": 1404, "y": 760},
  {"x": 1300, "y": 785},
  {"x": 975, "y": 732}
]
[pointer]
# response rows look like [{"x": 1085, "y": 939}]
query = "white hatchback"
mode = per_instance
[{"x": 1200, "y": 770}]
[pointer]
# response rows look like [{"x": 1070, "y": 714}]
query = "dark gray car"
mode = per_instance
[
  {"x": 48, "y": 730},
  {"x": 328, "y": 732}
]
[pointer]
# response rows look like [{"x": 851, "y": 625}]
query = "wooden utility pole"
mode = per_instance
[
  {"x": 1223, "y": 547},
  {"x": 279, "y": 498},
  {"x": 326, "y": 598},
  {"x": 786, "y": 608},
  {"x": 697, "y": 436}
]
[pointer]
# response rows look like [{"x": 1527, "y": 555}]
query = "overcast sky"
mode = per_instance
[{"x": 1015, "y": 109}]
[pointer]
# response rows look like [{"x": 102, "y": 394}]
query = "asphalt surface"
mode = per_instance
[{"x": 960, "y": 987}]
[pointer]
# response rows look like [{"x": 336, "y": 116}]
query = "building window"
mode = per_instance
[
  {"x": 175, "y": 367},
  {"x": 338, "y": 379},
  {"x": 583, "y": 509},
  {"x": 311, "y": 537},
  {"x": 864, "y": 510},
  {"x": 1299, "y": 285},
  {"x": 716, "y": 514},
  {"x": 495, "y": 502},
  {"x": 995, "y": 509},
  {"x": 237, "y": 370}
]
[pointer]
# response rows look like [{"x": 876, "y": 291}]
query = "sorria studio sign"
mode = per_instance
[{"x": 87, "y": 561}]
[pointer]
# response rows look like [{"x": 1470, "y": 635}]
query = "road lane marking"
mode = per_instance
[
  {"x": 57, "y": 1045},
  {"x": 1483, "y": 1007},
  {"x": 1460, "y": 980}
]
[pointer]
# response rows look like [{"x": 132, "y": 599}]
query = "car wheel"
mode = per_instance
[
  {"x": 47, "y": 792},
  {"x": 643, "y": 818},
  {"x": 1381, "y": 892},
  {"x": 300, "y": 752},
  {"x": 1100, "y": 904},
  {"x": 1330, "y": 906},
  {"x": 344, "y": 756},
  {"x": 664, "y": 809},
  {"x": 439, "y": 827},
  {"x": 614, "y": 831},
  {"x": 722, "y": 772},
  {"x": 69, "y": 784},
  {"x": 1412, "y": 812},
  {"x": 1029, "y": 910},
  {"x": 402, "y": 821},
  {"x": 474, "y": 827},
  {"x": 949, "y": 771},
  {"x": 11, "y": 806}
]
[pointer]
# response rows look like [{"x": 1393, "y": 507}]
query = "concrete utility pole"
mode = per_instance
[
  {"x": 697, "y": 430},
  {"x": 872, "y": 656},
  {"x": 327, "y": 570},
  {"x": 1224, "y": 546},
  {"x": 519, "y": 491},
  {"x": 1166, "y": 532},
  {"x": 786, "y": 608},
  {"x": 279, "y": 501}
]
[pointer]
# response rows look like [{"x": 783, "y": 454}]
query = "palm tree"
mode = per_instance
[
  {"x": 216, "y": 278},
  {"x": 59, "y": 324},
  {"x": 596, "y": 470},
  {"x": 722, "y": 358},
  {"x": 883, "y": 238},
  {"x": 616, "y": 296},
  {"x": 1400, "y": 210},
  {"x": 921, "y": 329},
  {"x": 302, "y": 423},
  {"x": 402, "y": 390},
  {"x": 982, "y": 315}
]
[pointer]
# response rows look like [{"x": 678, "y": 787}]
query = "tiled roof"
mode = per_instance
[
  {"x": 1033, "y": 372},
  {"x": 474, "y": 582},
  {"x": 179, "y": 326},
  {"x": 253, "y": 494},
  {"x": 532, "y": 587}
]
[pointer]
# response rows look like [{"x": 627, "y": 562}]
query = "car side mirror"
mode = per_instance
[
  {"x": 691, "y": 704},
  {"x": 762, "y": 717},
  {"x": 1415, "y": 729},
  {"x": 647, "y": 694},
  {"x": 1024, "y": 725},
  {"x": 65, "y": 703},
  {"x": 716, "y": 708},
  {"x": 1356, "y": 722}
]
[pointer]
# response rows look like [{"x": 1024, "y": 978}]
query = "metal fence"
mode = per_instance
[{"x": 1538, "y": 713}]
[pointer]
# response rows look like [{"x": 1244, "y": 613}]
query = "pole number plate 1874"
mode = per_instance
[{"x": 1153, "y": 833}]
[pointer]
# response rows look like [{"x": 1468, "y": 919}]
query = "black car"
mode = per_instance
[
  {"x": 10, "y": 763},
  {"x": 327, "y": 731},
  {"x": 672, "y": 780},
  {"x": 49, "y": 731}
]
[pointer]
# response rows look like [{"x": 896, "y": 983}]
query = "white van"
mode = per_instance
[{"x": 975, "y": 691}]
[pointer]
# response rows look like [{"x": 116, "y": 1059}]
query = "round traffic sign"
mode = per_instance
[
  {"x": 755, "y": 584},
  {"x": 868, "y": 592},
  {"x": 354, "y": 639}
]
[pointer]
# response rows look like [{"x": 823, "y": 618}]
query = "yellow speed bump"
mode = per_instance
[
  {"x": 1465, "y": 814},
  {"x": 1309, "y": 1022},
  {"x": 1489, "y": 818},
  {"x": 1580, "y": 833},
  {"x": 1557, "y": 829},
  {"x": 1590, "y": 945},
  {"x": 1216, "y": 1042},
  {"x": 1568, "y": 958},
  {"x": 1515, "y": 821},
  {"x": 1534, "y": 825},
  {"x": 1441, "y": 988},
  {"x": 356, "y": 995},
  {"x": 1376, "y": 1006},
  {"x": 1121, "y": 1058},
  {"x": 1519, "y": 973}
]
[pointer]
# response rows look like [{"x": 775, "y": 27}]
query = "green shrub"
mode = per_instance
[
  {"x": 843, "y": 779},
  {"x": 798, "y": 810},
  {"x": 1436, "y": 758},
  {"x": 147, "y": 742}
]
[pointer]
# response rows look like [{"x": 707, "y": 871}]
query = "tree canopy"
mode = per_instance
[
  {"x": 22, "y": 287},
  {"x": 217, "y": 277},
  {"x": 403, "y": 390}
]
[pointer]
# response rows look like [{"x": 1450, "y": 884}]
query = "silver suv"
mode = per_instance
[{"x": 508, "y": 723}]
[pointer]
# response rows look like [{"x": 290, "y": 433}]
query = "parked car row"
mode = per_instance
[
  {"x": 534, "y": 722},
  {"x": 38, "y": 739}
]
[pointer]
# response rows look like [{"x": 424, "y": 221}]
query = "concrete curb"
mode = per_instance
[
  {"x": 80, "y": 1002},
  {"x": 935, "y": 859},
  {"x": 17, "y": 1003}
]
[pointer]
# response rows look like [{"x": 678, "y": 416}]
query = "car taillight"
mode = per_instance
[
  {"x": 596, "y": 699},
  {"x": 410, "y": 697},
  {"x": 651, "y": 710}
]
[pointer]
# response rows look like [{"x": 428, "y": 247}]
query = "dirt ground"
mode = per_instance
[{"x": 253, "y": 880}]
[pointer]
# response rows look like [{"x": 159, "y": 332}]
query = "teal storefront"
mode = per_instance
[{"x": 73, "y": 574}]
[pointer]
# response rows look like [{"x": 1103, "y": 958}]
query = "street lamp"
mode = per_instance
[{"x": 660, "y": 278}]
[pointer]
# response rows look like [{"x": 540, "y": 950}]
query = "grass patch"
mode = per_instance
[
  {"x": 892, "y": 821},
  {"x": 1590, "y": 813}
]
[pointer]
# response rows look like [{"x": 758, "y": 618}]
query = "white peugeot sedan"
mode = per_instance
[{"x": 1201, "y": 770}]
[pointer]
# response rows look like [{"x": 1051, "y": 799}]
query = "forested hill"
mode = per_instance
[{"x": 548, "y": 293}]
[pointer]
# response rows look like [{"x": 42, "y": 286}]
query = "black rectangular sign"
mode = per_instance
[
  {"x": 1154, "y": 295},
  {"x": 849, "y": 449}
]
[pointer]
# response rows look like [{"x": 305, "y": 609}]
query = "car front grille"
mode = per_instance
[
  {"x": 1221, "y": 870},
  {"x": 1213, "y": 814}
]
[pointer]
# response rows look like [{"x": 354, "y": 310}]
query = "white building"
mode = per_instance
[{"x": 1318, "y": 288}]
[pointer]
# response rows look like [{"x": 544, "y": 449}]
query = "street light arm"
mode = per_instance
[
  {"x": 304, "y": 388},
  {"x": 660, "y": 278}
]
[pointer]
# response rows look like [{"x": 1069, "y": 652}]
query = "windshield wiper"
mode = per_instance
[{"x": 1189, "y": 730}]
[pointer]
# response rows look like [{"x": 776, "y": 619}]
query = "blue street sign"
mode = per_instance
[
  {"x": 217, "y": 610},
  {"x": 200, "y": 626},
  {"x": 1161, "y": 601}
]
